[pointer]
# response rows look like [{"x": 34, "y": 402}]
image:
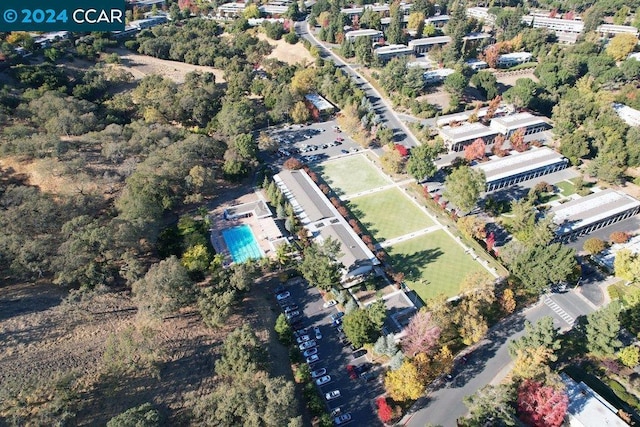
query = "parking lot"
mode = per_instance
[
  {"x": 356, "y": 395},
  {"x": 311, "y": 143}
]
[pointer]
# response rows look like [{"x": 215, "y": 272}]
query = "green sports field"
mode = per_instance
[
  {"x": 352, "y": 174},
  {"x": 433, "y": 264},
  {"x": 388, "y": 214}
]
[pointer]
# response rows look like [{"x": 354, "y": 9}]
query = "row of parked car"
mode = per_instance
[{"x": 307, "y": 340}]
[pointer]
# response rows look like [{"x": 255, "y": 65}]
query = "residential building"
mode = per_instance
[
  {"x": 231, "y": 9},
  {"x": 437, "y": 76},
  {"x": 382, "y": 9},
  {"x": 150, "y": 22},
  {"x": 515, "y": 58},
  {"x": 629, "y": 115},
  {"x": 437, "y": 21},
  {"x": 593, "y": 212},
  {"x": 608, "y": 256},
  {"x": 322, "y": 220},
  {"x": 45, "y": 40},
  {"x": 587, "y": 408},
  {"x": 386, "y": 53},
  {"x": 374, "y": 35},
  {"x": 477, "y": 36},
  {"x": 503, "y": 172},
  {"x": 531, "y": 124},
  {"x": 270, "y": 9},
  {"x": 456, "y": 138},
  {"x": 554, "y": 24},
  {"x": 318, "y": 105},
  {"x": 481, "y": 14},
  {"x": 476, "y": 64},
  {"x": 425, "y": 44},
  {"x": 610, "y": 30}
]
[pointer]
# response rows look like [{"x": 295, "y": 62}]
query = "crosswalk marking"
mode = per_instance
[{"x": 559, "y": 311}]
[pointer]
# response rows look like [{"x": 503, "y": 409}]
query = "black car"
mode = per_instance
[
  {"x": 359, "y": 353},
  {"x": 363, "y": 368},
  {"x": 278, "y": 290}
]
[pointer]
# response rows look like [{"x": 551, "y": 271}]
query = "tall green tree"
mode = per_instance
[
  {"x": 463, "y": 187},
  {"x": 421, "y": 161},
  {"x": 319, "y": 264},
  {"x": 492, "y": 403},
  {"x": 395, "y": 34},
  {"x": 359, "y": 328},
  {"x": 541, "y": 334},
  {"x": 602, "y": 329}
]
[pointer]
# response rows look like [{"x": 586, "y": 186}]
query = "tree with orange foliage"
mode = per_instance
[
  {"x": 493, "y": 107},
  {"x": 476, "y": 150},
  {"x": 497, "y": 146},
  {"x": 541, "y": 405},
  {"x": 517, "y": 141}
]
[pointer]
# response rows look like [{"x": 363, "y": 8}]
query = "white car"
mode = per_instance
[
  {"x": 330, "y": 303},
  {"x": 283, "y": 296},
  {"x": 323, "y": 380},
  {"x": 290, "y": 315},
  {"x": 303, "y": 338},
  {"x": 333, "y": 394},
  {"x": 310, "y": 352},
  {"x": 312, "y": 359},
  {"x": 316, "y": 330},
  {"x": 307, "y": 345},
  {"x": 342, "y": 419},
  {"x": 318, "y": 373}
]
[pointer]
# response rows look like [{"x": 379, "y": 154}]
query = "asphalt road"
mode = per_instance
[
  {"x": 489, "y": 362},
  {"x": 357, "y": 396},
  {"x": 380, "y": 105}
]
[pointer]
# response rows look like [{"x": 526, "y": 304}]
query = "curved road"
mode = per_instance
[{"x": 402, "y": 135}]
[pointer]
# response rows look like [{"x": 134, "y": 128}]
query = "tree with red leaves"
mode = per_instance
[
  {"x": 493, "y": 107},
  {"x": 517, "y": 141},
  {"x": 491, "y": 241},
  {"x": 497, "y": 146},
  {"x": 540, "y": 405},
  {"x": 476, "y": 150},
  {"x": 619, "y": 237},
  {"x": 385, "y": 413},
  {"x": 292, "y": 164},
  {"x": 421, "y": 334}
]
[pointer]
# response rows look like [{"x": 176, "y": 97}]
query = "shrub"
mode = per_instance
[
  {"x": 619, "y": 237},
  {"x": 291, "y": 38},
  {"x": 292, "y": 164},
  {"x": 614, "y": 292},
  {"x": 385, "y": 413},
  {"x": 594, "y": 245}
]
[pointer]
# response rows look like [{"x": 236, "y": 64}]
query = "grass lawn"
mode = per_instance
[
  {"x": 388, "y": 214},
  {"x": 433, "y": 264},
  {"x": 566, "y": 188},
  {"x": 351, "y": 174}
]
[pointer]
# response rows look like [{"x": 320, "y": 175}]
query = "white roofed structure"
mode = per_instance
[
  {"x": 456, "y": 138},
  {"x": 610, "y": 30},
  {"x": 587, "y": 408},
  {"x": 427, "y": 43},
  {"x": 374, "y": 35},
  {"x": 629, "y": 115},
  {"x": 385, "y": 53},
  {"x": 531, "y": 124}
]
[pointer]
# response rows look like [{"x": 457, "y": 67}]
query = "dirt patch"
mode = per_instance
[
  {"x": 142, "y": 65},
  {"x": 289, "y": 53},
  {"x": 509, "y": 79}
]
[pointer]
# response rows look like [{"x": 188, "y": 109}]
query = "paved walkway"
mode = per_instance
[{"x": 408, "y": 236}]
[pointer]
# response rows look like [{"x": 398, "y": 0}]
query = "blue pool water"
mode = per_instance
[{"x": 242, "y": 243}]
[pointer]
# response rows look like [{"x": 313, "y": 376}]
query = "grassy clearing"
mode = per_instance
[
  {"x": 433, "y": 264},
  {"x": 351, "y": 174},
  {"x": 566, "y": 188},
  {"x": 388, "y": 214}
]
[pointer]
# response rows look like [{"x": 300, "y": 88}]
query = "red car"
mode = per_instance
[
  {"x": 352, "y": 372},
  {"x": 340, "y": 139}
]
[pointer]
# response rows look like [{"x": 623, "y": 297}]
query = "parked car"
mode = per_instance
[
  {"x": 344, "y": 151},
  {"x": 342, "y": 419},
  {"x": 336, "y": 322},
  {"x": 312, "y": 359},
  {"x": 329, "y": 303},
  {"x": 290, "y": 315},
  {"x": 318, "y": 373},
  {"x": 316, "y": 330},
  {"x": 333, "y": 394},
  {"x": 335, "y": 412},
  {"x": 323, "y": 380},
  {"x": 310, "y": 352},
  {"x": 363, "y": 368},
  {"x": 368, "y": 376},
  {"x": 300, "y": 332},
  {"x": 303, "y": 338},
  {"x": 283, "y": 296},
  {"x": 340, "y": 139},
  {"x": 292, "y": 307},
  {"x": 306, "y": 345},
  {"x": 280, "y": 289},
  {"x": 337, "y": 315},
  {"x": 352, "y": 372},
  {"x": 359, "y": 353}
]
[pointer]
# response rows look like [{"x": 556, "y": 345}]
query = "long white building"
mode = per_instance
[
  {"x": 567, "y": 30},
  {"x": 374, "y": 35},
  {"x": 610, "y": 30},
  {"x": 531, "y": 124}
]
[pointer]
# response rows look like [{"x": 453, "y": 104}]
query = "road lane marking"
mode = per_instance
[{"x": 559, "y": 311}]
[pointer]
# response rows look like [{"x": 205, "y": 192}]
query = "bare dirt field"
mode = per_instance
[
  {"x": 509, "y": 79},
  {"x": 143, "y": 65},
  {"x": 285, "y": 52}
]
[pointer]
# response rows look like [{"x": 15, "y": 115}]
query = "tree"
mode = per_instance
[
  {"x": 508, "y": 301},
  {"x": 421, "y": 161},
  {"x": 359, "y": 328},
  {"x": 421, "y": 334},
  {"x": 476, "y": 150},
  {"x": 283, "y": 329},
  {"x": 251, "y": 12},
  {"x": 392, "y": 161},
  {"x": 463, "y": 187},
  {"x": 491, "y": 403},
  {"x": 197, "y": 259},
  {"x": 541, "y": 405},
  {"x": 621, "y": 45},
  {"x": 630, "y": 356},
  {"x": 523, "y": 93},
  {"x": 363, "y": 49},
  {"x": 304, "y": 81},
  {"x": 517, "y": 141},
  {"x": 619, "y": 237},
  {"x": 594, "y": 246},
  {"x": 404, "y": 383},
  {"x": 216, "y": 305},
  {"x": 486, "y": 83},
  {"x": 386, "y": 345},
  {"x": 602, "y": 330},
  {"x": 493, "y": 107},
  {"x": 144, "y": 415},
  {"x": 416, "y": 23},
  {"x": 394, "y": 33},
  {"x": 541, "y": 334},
  {"x": 456, "y": 83},
  {"x": 385, "y": 413},
  {"x": 319, "y": 266},
  {"x": 472, "y": 226},
  {"x": 267, "y": 143},
  {"x": 165, "y": 288},
  {"x": 300, "y": 113}
]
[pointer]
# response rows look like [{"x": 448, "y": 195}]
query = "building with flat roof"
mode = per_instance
[
  {"x": 477, "y": 36},
  {"x": 456, "y": 138},
  {"x": 438, "y": 21},
  {"x": 554, "y": 24},
  {"x": 587, "y": 408},
  {"x": 322, "y": 220},
  {"x": 386, "y": 53},
  {"x": 629, "y": 115},
  {"x": 481, "y": 14},
  {"x": 437, "y": 76},
  {"x": 374, "y": 35},
  {"x": 515, "y": 58},
  {"x": 531, "y": 124},
  {"x": 318, "y": 105},
  {"x": 273, "y": 9},
  {"x": 610, "y": 30},
  {"x": 476, "y": 64},
  {"x": 593, "y": 212},
  {"x": 607, "y": 257},
  {"x": 503, "y": 172},
  {"x": 231, "y": 9},
  {"x": 425, "y": 44}
]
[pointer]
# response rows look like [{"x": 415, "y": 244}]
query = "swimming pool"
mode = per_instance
[{"x": 242, "y": 243}]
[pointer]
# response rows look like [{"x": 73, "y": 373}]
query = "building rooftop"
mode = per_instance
[
  {"x": 426, "y": 41},
  {"x": 465, "y": 132},
  {"x": 608, "y": 256},
  {"x": 629, "y": 115},
  {"x": 591, "y": 209},
  {"x": 365, "y": 32},
  {"x": 354, "y": 252},
  {"x": 440, "y": 73},
  {"x": 319, "y": 102},
  {"x": 477, "y": 36},
  {"x": 439, "y": 18},
  {"x": 258, "y": 208},
  {"x": 515, "y": 56},
  {"x": 393, "y": 48},
  {"x": 306, "y": 196},
  {"x": 558, "y": 24},
  {"x": 616, "y": 29},
  {"x": 516, "y": 121},
  {"x": 587, "y": 408},
  {"x": 504, "y": 167}
]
